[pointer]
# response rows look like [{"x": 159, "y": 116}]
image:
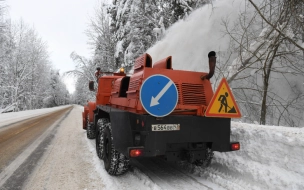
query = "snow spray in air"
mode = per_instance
[{"x": 189, "y": 41}]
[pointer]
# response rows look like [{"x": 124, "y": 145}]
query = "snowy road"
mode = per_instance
[
  {"x": 271, "y": 157},
  {"x": 22, "y": 144},
  {"x": 15, "y": 137}
]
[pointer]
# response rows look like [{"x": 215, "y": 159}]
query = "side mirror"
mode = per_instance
[{"x": 91, "y": 86}]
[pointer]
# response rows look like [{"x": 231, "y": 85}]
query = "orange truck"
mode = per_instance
[{"x": 159, "y": 112}]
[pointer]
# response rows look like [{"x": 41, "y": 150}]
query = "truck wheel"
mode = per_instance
[
  {"x": 99, "y": 136},
  {"x": 90, "y": 130},
  {"x": 115, "y": 163},
  {"x": 207, "y": 161}
]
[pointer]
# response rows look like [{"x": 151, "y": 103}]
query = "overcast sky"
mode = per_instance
[{"x": 61, "y": 23}]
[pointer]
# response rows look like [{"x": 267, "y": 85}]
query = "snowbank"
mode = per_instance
[
  {"x": 12, "y": 117},
  {"x": 271, "y": 157}
]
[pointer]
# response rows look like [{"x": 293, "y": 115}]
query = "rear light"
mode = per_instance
[
  {"x": 235, "y": 146},
  {"x": 136, "y": 152}
]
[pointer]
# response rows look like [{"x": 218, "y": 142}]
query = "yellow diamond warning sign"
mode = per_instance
[{"x": 222, "y": 103}]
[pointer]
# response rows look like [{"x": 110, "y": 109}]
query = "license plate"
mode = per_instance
[{"x": 166, "y": 127}]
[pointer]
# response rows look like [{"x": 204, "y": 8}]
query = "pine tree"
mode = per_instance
[{"x": 137, "y": 24}]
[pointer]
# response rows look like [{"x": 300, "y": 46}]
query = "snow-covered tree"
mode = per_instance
[
  {"x": 267, "y": 66},
  {"x": 137, "y": 24},
  {"x": 56, "y": 94},
  {"x": 2, "y": 53},
  {"x": 82, "y": 94},
  {"x": 84, "y": 72},
  {"x": 25, "y": 68},
  {"x": 83, "y": 67},
  {"x": 102, "y": 41}
]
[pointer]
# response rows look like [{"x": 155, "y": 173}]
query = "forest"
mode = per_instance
[
  {"x": 259, "y": 45},
  {"x": 28, "y": 80}
]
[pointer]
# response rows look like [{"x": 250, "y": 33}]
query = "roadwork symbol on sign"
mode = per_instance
[
  {"x": 158, "y": 95},
  {"x": 222, "y": 103}
]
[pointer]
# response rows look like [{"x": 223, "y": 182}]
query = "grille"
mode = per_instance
[
  {"x": 116, "y": 87},
  {"x": 134, "y": 84},
  {"x": 192, "y": 94},
  {"x": 139, "y": 62},
  {"x": 179, "y": 93}
]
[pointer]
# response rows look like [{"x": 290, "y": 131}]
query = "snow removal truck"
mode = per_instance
[{"x": 159, "y": 112}]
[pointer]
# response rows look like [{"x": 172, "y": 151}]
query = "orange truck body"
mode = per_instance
[
  {"x": 118, "y": 101},
  {"x": 194, "y": 93}
]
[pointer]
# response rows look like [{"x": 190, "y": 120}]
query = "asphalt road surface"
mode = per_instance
[{"x": 23, "y": 143}]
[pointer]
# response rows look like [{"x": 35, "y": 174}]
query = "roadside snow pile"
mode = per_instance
[
  {"x": 8, "y": 109},
  {"x": 271, "y": 157},
  {"x": 12, "y": 117}
]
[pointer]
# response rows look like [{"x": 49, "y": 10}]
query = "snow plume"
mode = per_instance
[{"x": 189, "y": 41}]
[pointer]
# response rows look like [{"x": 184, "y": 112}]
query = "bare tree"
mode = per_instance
[{"x": 267, "y": 44}]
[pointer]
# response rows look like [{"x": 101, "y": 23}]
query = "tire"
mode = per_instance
[
  {"x": 99, "y": 136},
  {"x": 90, "y": 130},
  {"x": 115, "y": 163},
  {"x": 207, "y": 161}
]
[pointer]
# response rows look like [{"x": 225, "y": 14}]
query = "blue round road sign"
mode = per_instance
[{"x": 158, "y": 95}]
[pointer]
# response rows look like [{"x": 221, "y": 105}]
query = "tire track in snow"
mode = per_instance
[
  {"x": 169, "y": 176},
  {"x": 133, "y": 179}
]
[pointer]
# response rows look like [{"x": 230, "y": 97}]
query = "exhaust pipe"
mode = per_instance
[{"x": 212, "y": 63}]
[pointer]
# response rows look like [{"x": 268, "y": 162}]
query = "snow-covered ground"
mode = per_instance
[
  {"x": 271, "y": 157},
  {"x": 70, "y": 162}
]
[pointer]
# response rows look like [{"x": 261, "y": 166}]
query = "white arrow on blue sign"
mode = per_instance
[{"x": 158, "y": 95}]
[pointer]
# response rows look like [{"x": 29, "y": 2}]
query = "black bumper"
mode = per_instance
[{"x": 195, "y": 134}]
